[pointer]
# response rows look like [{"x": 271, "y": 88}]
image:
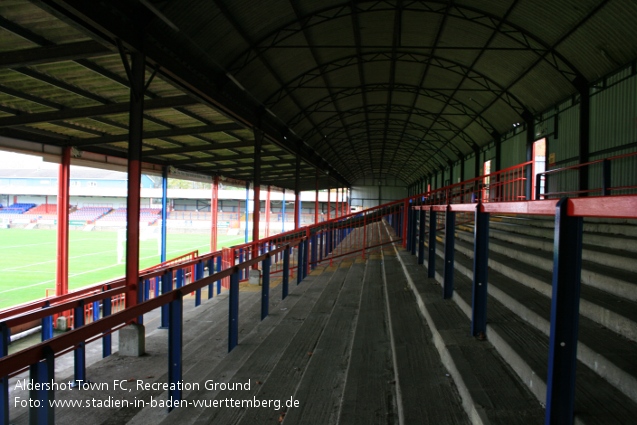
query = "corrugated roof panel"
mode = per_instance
[{"x": 605, "y": 42}]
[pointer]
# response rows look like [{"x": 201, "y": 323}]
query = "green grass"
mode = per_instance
[{"x": 28, "y": 259}]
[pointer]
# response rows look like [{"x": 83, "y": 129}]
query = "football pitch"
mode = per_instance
[{"x": 28, "y": 259}]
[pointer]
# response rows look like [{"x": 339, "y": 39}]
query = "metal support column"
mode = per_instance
[
  {"x": 480, "y": 272},
  {"x": 164, "y": 212},
  {"x": 584, "y": 133},
  {"x": 214, "y": 214},
  {"x": 450, "y": 240},
  {"x": 283, "y": 213},
  {"x": 329, "y": 200},
  {"x": 267, "y": 212},
  {"x": 567, "y": 268},
  {"x": 258, "y": 140},
  {"x": 136, "y": 74},
  {"x": 247, "y": 220},
  {"x": 64, "y": 179},
  {"x": 316, "y": 200},
  {"x": 297, "y": 193}
]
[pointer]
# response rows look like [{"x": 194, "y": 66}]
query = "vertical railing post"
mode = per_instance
[
  {"x": 146, "y": 294},
  {"x": 80, "y": 349},
  {"x": 166, "y": 287},
  {"x": 414, "y": 228},
  {"x": 306, "y": 256},
  {"x": 47, "y": 325},
  {"x": 140, "y": 299},
  {"x": 606, "y": 183},
  {"x": 421, "y": 236},
  {"x": 567, "y": 268},
  {"x": 198, "y": 275},
  {"x": 180, "y": 278},
  {"x": 211, "y": 263},
  {"x": 480, "y": 272},
  {"x": 219, "y": 266},
  {"x": 286, "y": 272},
  {"x": 405, "y": 218},
  {"x": 233, "y": 313},
  {"x": 5, "y": 339},
  {"x": 300, "y": 262},
  {"x": 314, "y": 251},
  {"x": 107, "y": 309},
  {"x": 265, "y": 287},
  {"x": 175, "y": 345},
  {"x": 431, "y": 260},
  {"x": 42, "y": 373},
  {"x": 450, "y": 250}
]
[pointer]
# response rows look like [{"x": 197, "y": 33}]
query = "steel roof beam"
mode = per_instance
[
  {"x": 157, "y": 134},
  {"x": 51, "y": 54},
  {"x": 92, "y": 111}
]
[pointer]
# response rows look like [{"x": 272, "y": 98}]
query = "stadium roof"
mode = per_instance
[{"x": 357, "y": 88}]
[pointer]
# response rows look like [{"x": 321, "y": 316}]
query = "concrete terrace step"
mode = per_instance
[
  {"x": 610, "y": 311},
  {"x": 616, "y": 258},
  {"x": 616, "y": 281},
  {"x": 420, "y": 374},
  {"x": 622, "y": 238},
  {"x": 526, "y": 349},
  {"x": 491, "y": 392},
  {"x": 211, "y": 316},
  {"x": 258, "y": 357},
  {"x": 607, "y": 353}
]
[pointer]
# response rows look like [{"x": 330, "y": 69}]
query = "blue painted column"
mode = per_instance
[
  {"x": 80, "y": 350},
  {"x": 211, "y": 266},
  {"x": 164, "y": 212},
  {"x": 314, "y": 251},
  {"x": 219, "y": 265},
  {"x": 421, "y": 236},
  {"x": 198, "y": 275},
  {"x": 480, "y": 272},
  {"x": 286, "y": 272},
  {"x": 431, "y": 260},
  {"x": 47, "y": 325},
  {"x": 166, "y": 286},
  {"x": 265, "y": 287},
  {"x": 450, "y": 251},
  {"x": 175, "y": 344},
  {"x": 42, "y": 372},
  {"x": 233, "y": 313},
  {"x": 567, "y": 269},
  {"x": 299, "y": 269},
  {"x": 107, "y": 309},
  {"x": 414, "y": 228}
]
